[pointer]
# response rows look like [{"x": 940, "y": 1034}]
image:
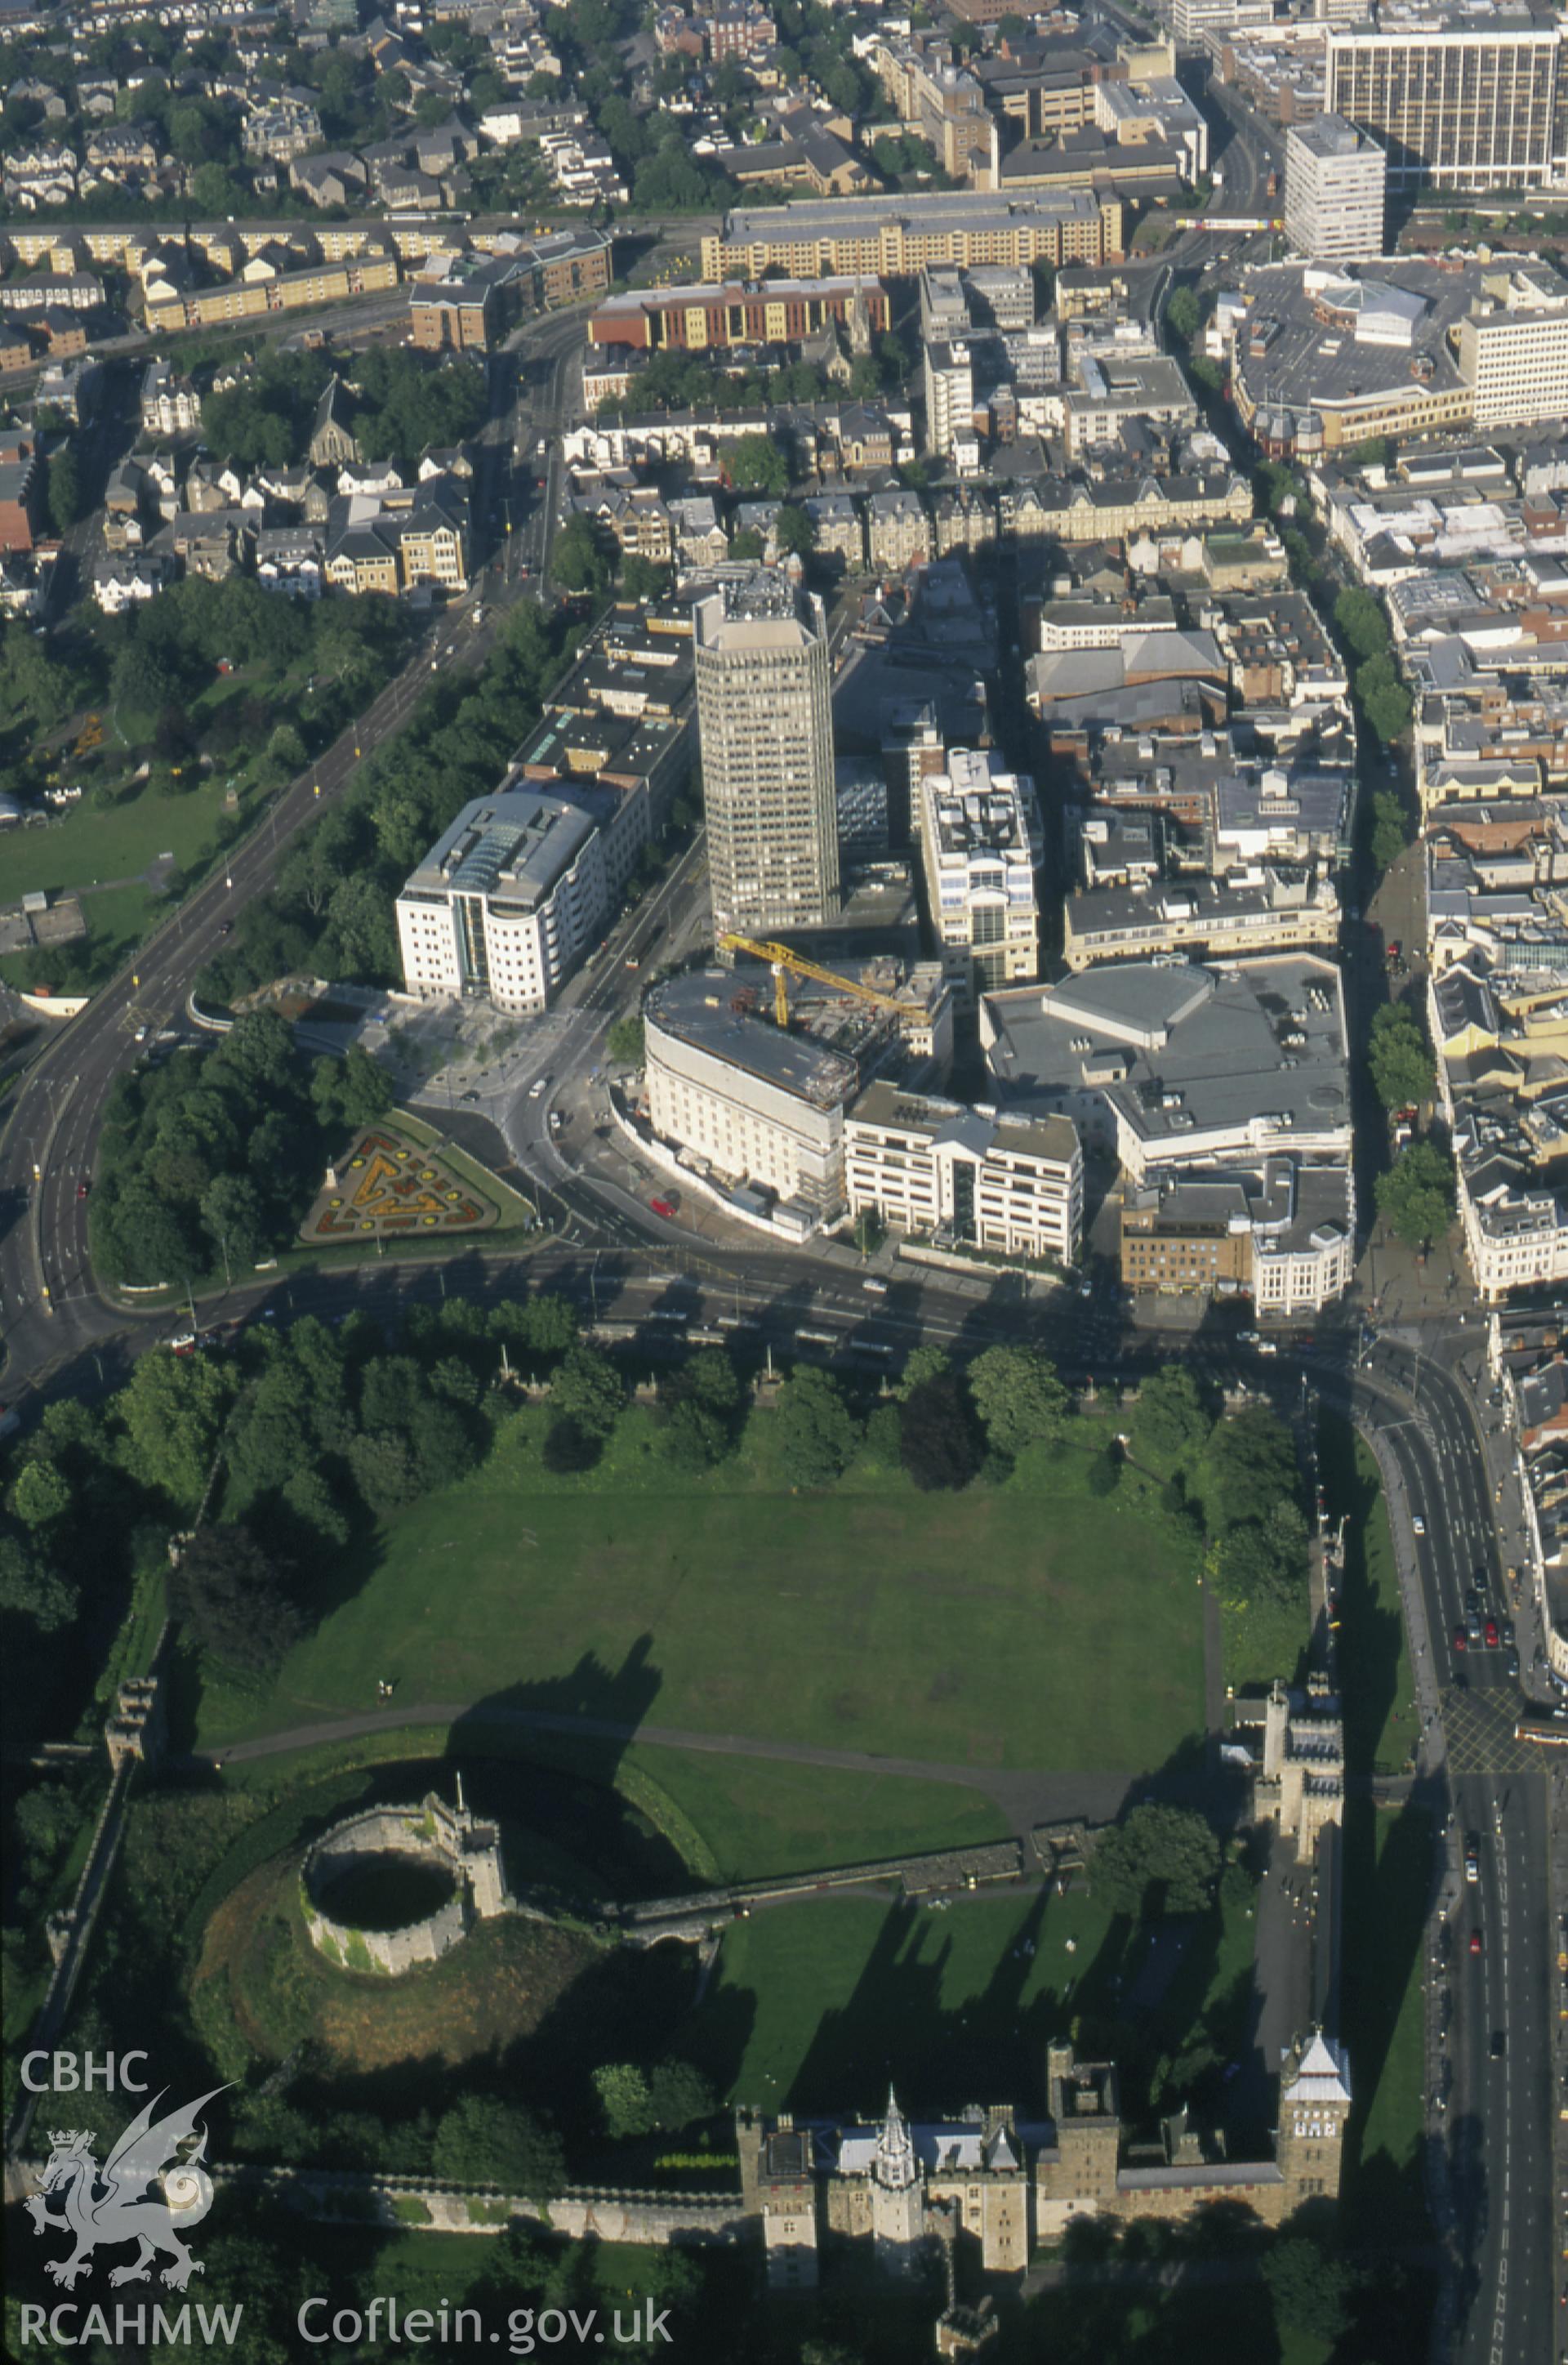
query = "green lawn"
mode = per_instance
[
  {"x": 998, "y": 1628},
  {"x": 1387, "y": 1866},
  {"x": 1080, "y": 2326},
  {"x": 817, "y": 2004},
  {"x": 759, "y": 1817},
  {"x": 1378, "y": 1681},
  {"x": 731, "y": 1818},
  {"x": 119, "y": 841}
]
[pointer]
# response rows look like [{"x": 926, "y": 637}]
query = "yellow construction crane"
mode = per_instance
[{"x": 786, "y": 964}]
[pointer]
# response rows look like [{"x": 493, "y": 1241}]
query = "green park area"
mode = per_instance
[
  {"x": 871, "y": 1617},
  {"x": 174, "y": 725},
  {"x": 836, "y": 1996},
  {"x": 1387, "y": 1873},
  {"x": 570, "y": 1594},
  {"x": 1376, "y": 1676},
  {"x": 93, "y": 844}
]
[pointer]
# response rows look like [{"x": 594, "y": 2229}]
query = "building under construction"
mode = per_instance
[{"x": 759, "y": 1107}]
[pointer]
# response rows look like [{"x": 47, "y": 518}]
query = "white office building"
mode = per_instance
[
  {"x": 1335, "y": 189},
  {"x": 749, "y": 1102},
  {"x": 949, "y": 393},
  {"x": 506, "y": 904},
  {"x": 981, "y": 844},
  {"x": 1513, "y": 349},
  {"x": 965, "y": 1176}
]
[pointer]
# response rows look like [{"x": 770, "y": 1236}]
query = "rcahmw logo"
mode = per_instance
[{"x": 153, "y": 2190}]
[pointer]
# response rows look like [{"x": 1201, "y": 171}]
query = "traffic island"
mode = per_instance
[{"x": 392, "y": 1187}]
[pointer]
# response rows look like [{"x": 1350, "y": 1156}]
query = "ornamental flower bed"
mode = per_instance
[{"x": 388, "y": 1187}]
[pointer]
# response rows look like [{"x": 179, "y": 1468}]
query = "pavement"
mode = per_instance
[{"x": 1026, "y": 1797}]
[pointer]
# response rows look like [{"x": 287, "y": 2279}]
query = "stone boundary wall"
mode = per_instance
[
  {"x": 660, "y": 1154},
  {"x": 345, "y": 2196},
  {"x": 939, "y": 1869},
  {"x": 977, "y": 1268}
]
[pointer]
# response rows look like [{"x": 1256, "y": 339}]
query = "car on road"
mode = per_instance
[
  {"x": 1459, "y": 1639},
  {"x": 1490, "y": 1634},
  {"x": 470, "y": 1094},
  {"x": 1472, "y": 1859},
  {"x": 1499, "y": 2043},
  {"x": 1472, "y": 1632},
  {"x": 1475, "y": 1942},
  {"x": 227, "y": 929},
  {"x": 1512, "y": 1663},
  {"x": 1418, "y": 1525},
  {"x": 1268, "y": 1345},
  {"x": 540, "y": 1084}
]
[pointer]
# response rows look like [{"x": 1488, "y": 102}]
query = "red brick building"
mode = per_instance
[
  {"x": 21, "y": 496},
  {"x": 742, "y": 313}
]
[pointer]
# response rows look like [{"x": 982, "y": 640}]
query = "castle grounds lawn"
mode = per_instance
[
  {"x": 999, "y": 1628},
  {"x": 818, "y": 2003},
  {"x": 1387, "y": 1869},
  {"x": 759, "y": 1817},
  {"x": 753, "y": 1816},
  {"x": 1381, "y": 1724}
]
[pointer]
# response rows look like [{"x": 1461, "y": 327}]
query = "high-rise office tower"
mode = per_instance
[
  {"x": 1334, "y": 191},
  {"x": 765, "y": 715},
  {"x": 1457, "y": 102}
]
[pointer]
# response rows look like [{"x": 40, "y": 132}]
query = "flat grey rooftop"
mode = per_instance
[
  {"x": 715, "y": 1011},
  {"x": 1140, "y": 1031}
]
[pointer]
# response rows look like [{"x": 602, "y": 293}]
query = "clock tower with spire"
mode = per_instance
[{"x": 897, "y": 2196}]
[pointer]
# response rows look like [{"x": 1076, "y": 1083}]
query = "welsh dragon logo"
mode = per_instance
[{"x": 153, "y": 2190}]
